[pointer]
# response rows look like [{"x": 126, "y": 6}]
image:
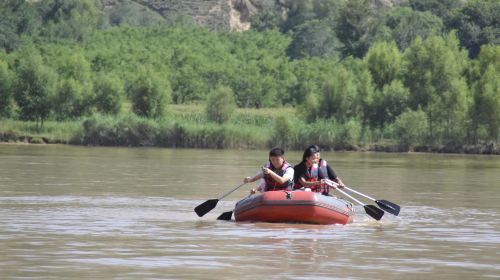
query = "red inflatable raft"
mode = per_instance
[{"x": 294, "y": 207}]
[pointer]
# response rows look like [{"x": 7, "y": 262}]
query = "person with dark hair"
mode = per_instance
[
  {"x": 276, "y": 174},
  {"x": 325, "y": 170},
  {"x": 307, "y": 172},
  {"x": 310, "y": 173}
]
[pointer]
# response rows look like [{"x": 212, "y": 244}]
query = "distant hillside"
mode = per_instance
[{"x": 216, "y": 14}]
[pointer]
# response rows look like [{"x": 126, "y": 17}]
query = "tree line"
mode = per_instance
[{"x": 427, "y": 72}]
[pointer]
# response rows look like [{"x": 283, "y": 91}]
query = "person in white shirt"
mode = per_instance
[{"x": 277, "y": 174}]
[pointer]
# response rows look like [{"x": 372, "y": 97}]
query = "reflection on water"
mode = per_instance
[{"x": 128, "y": 213}]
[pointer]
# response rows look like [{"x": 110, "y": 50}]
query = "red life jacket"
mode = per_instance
[
  {"x": 323, "y": 171},
  {"x": 271, "y": 184},
  {"x": 316, "y": 173},
  {"x": 322, "y": 174}
]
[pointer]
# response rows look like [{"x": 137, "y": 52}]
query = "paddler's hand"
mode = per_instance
[
  {"x": 341, "y": 184},
  {"x": 247, "y": 180},
  {"x": 266, "y": 170},
  {"x": 325, "y": 182},
  {"x": 253, "y": 191}
]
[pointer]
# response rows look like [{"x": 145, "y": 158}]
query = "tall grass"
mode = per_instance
[
  {"x": 51, "y": 131},
  {"x": 186, "y": 126}
]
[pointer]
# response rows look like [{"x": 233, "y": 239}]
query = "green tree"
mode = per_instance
[
  {"x": 388, "y": 103},
  {"x": 384, "y": 62},
  {"x": 315, "y": 38},
  {"x": 309, "y": 109},
  {"x": 69, "y": 19},
  {"x": 74, "y": 95},
  {"x": 485, "y": 111},
  {"x": 18, "y": 18},
  {"x": 301, "y": 11},
  {"x": 265, "y": 20},
  {"x": 69, "y": 102},
  {"x": 357, "y": 27},
  {"x": 6, "y": 100},
  {"x": 477, "y": 23},
  {"x": 35, "y": 83},
  {"x": 338, "y": 95},
  {"x": 406, "y": 24},
  {"x": 440, "y": 8},
  {"x": 411, "y": 128},
  {"x": 283, "y": 133},
  {"x": 220, "y": 104},
  {"x": 149, "y": 94},
  {"x": 434, "y": 77},
  {"x": 109, "y": 92}
]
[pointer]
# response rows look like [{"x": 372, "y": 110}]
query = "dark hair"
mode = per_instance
[
  {"x": 276, "y": 152},
  {"x": 308, "y": 152},
  {"x": 316, "y": 147}
]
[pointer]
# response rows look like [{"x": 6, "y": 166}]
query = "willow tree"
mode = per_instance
[
  {"x": 435, "y": 78},
  {"x": 33, "y": 88}
]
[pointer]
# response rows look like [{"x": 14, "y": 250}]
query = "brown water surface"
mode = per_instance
[{"x": 77, "y": 212}]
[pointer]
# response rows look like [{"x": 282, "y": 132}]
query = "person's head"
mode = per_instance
[
  {"x": 277, "y": 157},
  {"x": 309, "y": 155},
  {"x": 316, "y": 147}
]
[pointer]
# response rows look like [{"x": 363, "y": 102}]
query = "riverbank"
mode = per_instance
[{"x": 186, "y": 126}]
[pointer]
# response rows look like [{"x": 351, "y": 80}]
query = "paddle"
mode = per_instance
[
  {"x": 226, "y": 216},
  {"x": 210, "y": 204},
  {"x": 371, "y": 210},
  {"x": 384, "y": 204}
]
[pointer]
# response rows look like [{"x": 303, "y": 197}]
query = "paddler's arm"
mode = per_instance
[
  {"x": 333, "y": 176},
  {"x": 257, "y": 176},
  {"x": 304, "y": 183}
]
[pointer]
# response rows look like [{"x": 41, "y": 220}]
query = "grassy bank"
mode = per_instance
[{"x": 186, "y": 126}]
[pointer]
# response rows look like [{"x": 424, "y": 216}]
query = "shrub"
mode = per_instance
[
  {"x": 411, "y": 127},
  {"x": 108, "y": 94},
  {"x": 149, "y": 94},
  {"x": 220, "y": 104}
]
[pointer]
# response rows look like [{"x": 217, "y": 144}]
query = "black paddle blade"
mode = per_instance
[
  {"x": 388, "y": 206},
  {"x": 205, "y": 207},
  {"x": 374, "y": 212},
  {"x": 226, "y": 216}
]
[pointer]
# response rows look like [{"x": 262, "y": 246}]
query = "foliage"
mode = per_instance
[
  {"x": 149, "y": 94},
  {"x": 357, "y": 27},
  {"x": 74, "y": 94},
  {"x": 69, "y": 19},
  {"x": 18, "y": 18},
  {"x": 388, "y": 103},
  {"x": 485, "y": 112},
  {"x": 283, "y": 132},
  {"x": 435, "y": 80},
  {"x": 477, "y": 23},
  {"x": 35, "y": 83},
  {"x": 338, "y": 95},
  {"x": 441, "y": 8},
  {"x": 411, "y": 128},
  {"x": 220, "y": 104},
  {"x": 314, "y": 38},
  {"x": 384, "y": 62},
  {"x": 406, "y": 24},
  {"x": 109, "y": 93},
  {"x": 346, "y": 68},
  {"x": 6, "y": 100},
  {"x": 131, "y": 13},
  {"x": 265, "y": 20}
]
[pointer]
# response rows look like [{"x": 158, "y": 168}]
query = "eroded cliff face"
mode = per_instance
[
  {"x": 220, "y": 14},
  {"x": 216, "y": 14}
]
